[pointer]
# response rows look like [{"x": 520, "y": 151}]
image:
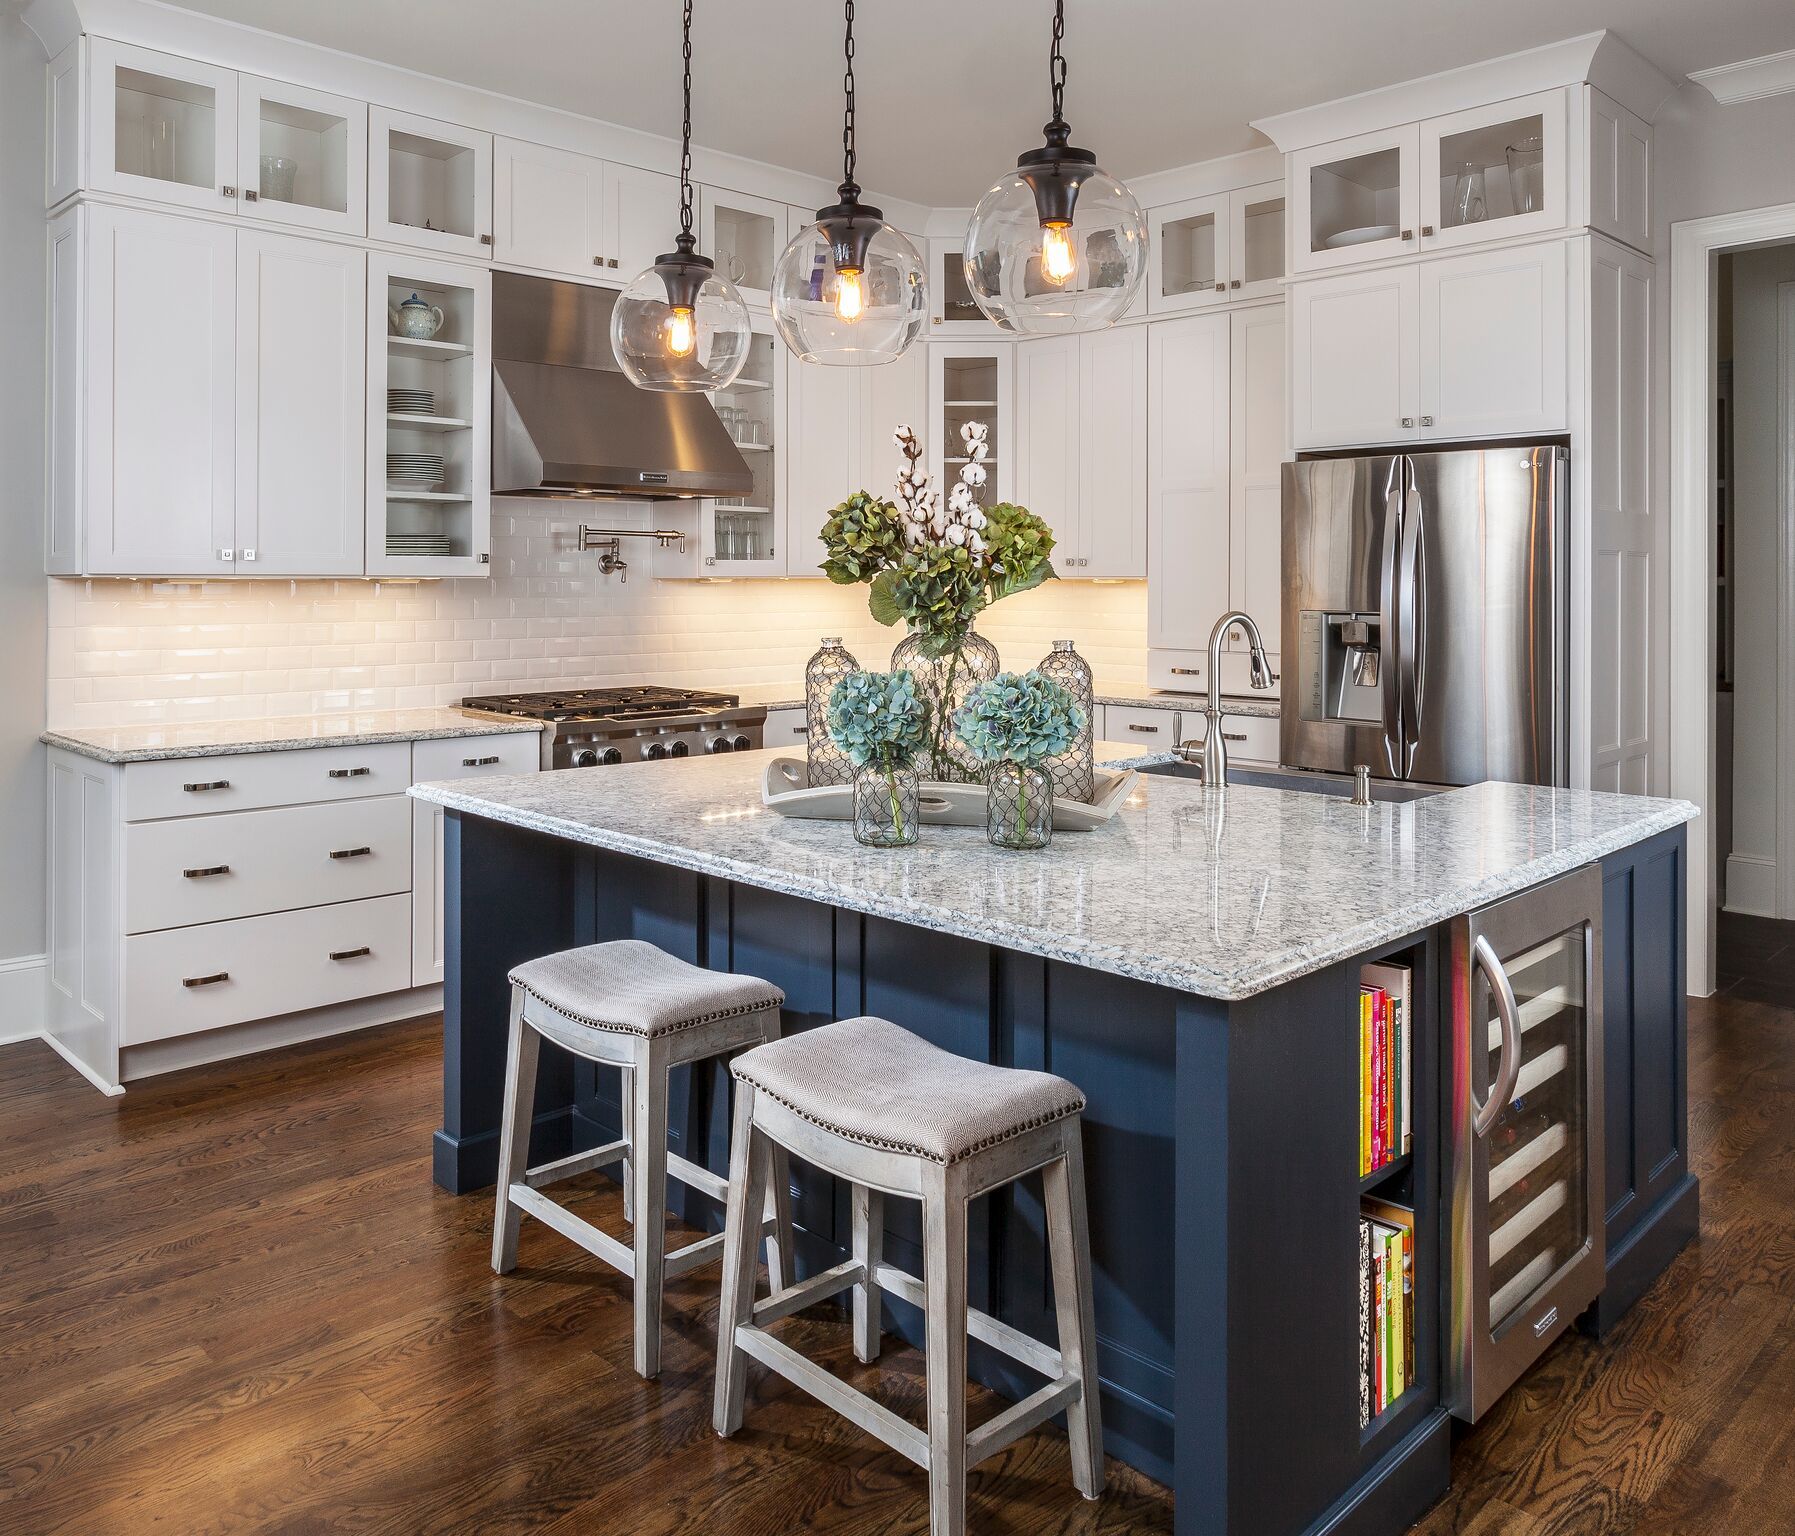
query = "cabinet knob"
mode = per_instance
[
  {"x": 1221, "y": 287},
  {"x": 1426, "y": 230},
  {"x": 1234, "y": 282},
  {"x": 1408, "y": 421},
  {"x": 610, "y": 261},
  {"x": 598, "y": 261},
  {"x": 710, "y": 559},
  {"x": 486, "y": 239},
  {"x": 1408, "y": 234},
  {"x": 1427, "y": 421},
  {"x": 249, "y": 554},
  {"x": 227, "y": 555},
  {"x": 227, "y": 191}
]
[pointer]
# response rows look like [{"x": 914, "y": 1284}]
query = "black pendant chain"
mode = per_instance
[
  {"x": 848, "y": 185},
  {"x": 1056, "y": 67},
  {"x": 685, "y": 143}
]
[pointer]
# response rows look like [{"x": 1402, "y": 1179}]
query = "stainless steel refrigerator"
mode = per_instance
[{"x": 1424, "y": 615}]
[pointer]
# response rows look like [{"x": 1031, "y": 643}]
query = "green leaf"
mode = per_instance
[
  {"x": 881, "y": 601},
  {"x": 1010, "y": 586}
]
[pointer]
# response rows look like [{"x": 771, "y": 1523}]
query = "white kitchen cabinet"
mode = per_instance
[
  {"x": 826, "y": 430},
  {"x": 548, "y": 208},
  {"x": 1256, "y": 456},
  {"x": 161, "y": 127},
  {"x": 1494, "y": 353},
  {"x": 65, "y": 132},
  {"x": 745, "y": 237},
  {"x": 1356, "y": 358},
  {"x": 1188, "y": 395},
  {"x": 1151, "y": 730},
  {"x": 1111, "y": 526},
  {"x": 1249, "y": 738},
  {"x": 1619, "y": 184},
  {"x": 1049, "y": 403},
  {"x": 785, "y": 728},
  {"x": 641, "y": 218},
  {"x": 1494, "y": 171},
  {"x": 304, "y": 156},
  {"x": 1256, "y": 241},
  {"x": 952, "y": 310},
  {"x": 1355, "y": 200},
  {"x": 745, "y": 535},
  {"x": 972, "y": 381},
  {"x": 157, "y": 321},
  {"x": 1188, "y": 251},
  {"x": 896, "y": 395},
  {"x": 429, "y": 184},
  {"x": 301, "y": 378}
]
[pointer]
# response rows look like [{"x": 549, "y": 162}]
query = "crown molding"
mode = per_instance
[{"x": 1749, "y": 79}]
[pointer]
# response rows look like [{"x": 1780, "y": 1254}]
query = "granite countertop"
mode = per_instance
[
  {"x": 215, "y": 738},
  {"x": 1127, "y": 695},
  {"x": 1221, "y": 895}
]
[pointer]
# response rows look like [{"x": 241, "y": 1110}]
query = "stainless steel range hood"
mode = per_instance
[{"x": 567, "y": 422}]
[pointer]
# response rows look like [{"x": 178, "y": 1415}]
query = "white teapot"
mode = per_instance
[{"x": 415, "y": 318}]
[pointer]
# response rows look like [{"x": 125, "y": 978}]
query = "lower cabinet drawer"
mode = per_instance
[
  {"x": 188, "y": 979},
  {"x": 1250, "y": 738},
  {"x": 207, "y": 869},
  {"x": 785, "y": 728},
  {"x": 244, "y": 781},
  {"x": 1178, "y": 671},
  {"x": 1148, "y": 728},
  {"x": 476, "y": 757}
]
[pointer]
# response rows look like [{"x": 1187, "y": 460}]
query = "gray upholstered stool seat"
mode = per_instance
[
  {"x": 890, "y": 1114},
  {"x": 628, "y": 1005},
  {"x": 869, "y": 1081}
]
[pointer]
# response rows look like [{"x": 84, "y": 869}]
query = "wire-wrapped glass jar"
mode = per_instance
[
  {"x": 1074, "y": 776},
  {"x": 946, "y": 679},
  {"x": 825, "y": 763},
  {"x": 1018, "y": 805},
  {"x": 887, "y": 805}
]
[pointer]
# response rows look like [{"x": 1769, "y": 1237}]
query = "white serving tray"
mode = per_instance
[{"x": 784, "y": 790}]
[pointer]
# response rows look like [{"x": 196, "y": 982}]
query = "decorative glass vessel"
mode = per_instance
[
  {"x": 1073, "y": 772},
  {"x": 1470, "y": 202},
  {"x": 887, "y": 805},
  {"x": 1018, "y": 806},
  {"x": 825, "y": 763},
  {"x": 946, "y": 679},
  {"x": 1526, "y": 173}
]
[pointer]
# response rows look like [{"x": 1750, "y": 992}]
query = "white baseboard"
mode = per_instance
[
  {"x": 22, "y": 1010},
  {"x": 111, "y": 1090},
  {"x": 1751, "y": 884}
]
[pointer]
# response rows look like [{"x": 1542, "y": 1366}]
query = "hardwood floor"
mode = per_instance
[{"x": 234, "y": 1301}]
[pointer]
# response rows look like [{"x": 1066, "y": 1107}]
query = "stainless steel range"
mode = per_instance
[{"x": 595, "y": 727}]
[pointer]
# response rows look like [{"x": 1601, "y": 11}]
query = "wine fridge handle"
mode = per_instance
[{"x": 1508, "y": 1064}]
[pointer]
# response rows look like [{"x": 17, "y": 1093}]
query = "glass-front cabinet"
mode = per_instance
[
  {"x": 741, "y": 535},
  {"x": 304, "y": 156},
  {"x": 1355, "y": 199},
  {"x": 1493, "y": 172},
  {"x": 952, "y": 311},
  {"x": 1218, "y": 249},
  {"x": 429, "y": 184},
  {"x": 744, "y": 236},
  {"x": 162, "y": 127},
  {"x": 971, "y": 382},
  {"x": 1256, "y": 241}
]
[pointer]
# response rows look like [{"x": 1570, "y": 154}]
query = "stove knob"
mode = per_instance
[
  {"x": 680, "y": 749},
  {"x": 610, "y": 755},
  {"x": 654, "y": 751},
  {"x": 718, "y": 744},
  {"x": 742, "y": 744},
  {"x": 585, "y": 759}
]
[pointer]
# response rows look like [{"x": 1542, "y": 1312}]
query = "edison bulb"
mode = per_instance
[
  {"x": 850, "y": 297},
  {"x": 682, "y": 335},
  {"x": 1058, "y": 262}
]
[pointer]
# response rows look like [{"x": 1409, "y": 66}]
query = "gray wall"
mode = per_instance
[{"x": 22, "y": 591}]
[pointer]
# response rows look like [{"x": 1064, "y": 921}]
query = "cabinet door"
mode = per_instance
[
  {"x": 745, "y": 237},
  {"x": 1256, "y": 241},
  {"x": 896, "y": 395},
  {"x": 972, "y": 381},
  {"x": 426, "y": 893},
  {"x": 429, "y": 184},
  {"x": 1620, "y": 171},
  {"x": 1188, "y": 252},
  {"x": 746, "y": 536},
  {"x": 161, "y": 408},
  {"x": 304, "y": 155},
  {"x": 1256, "y": 458},
  {"x": 952, "y": 310},
  {"x": 1112, "y": 468},
  {"x": 1187, "y": 479},
  {"x": 162, "y": 127},
  {"x": 1355, "y": 200},
  {"x": 824, "y": 428},
  {"x": 301, "y": 377},
  {"x": 1494, "y": 355},
  {"x": 1048, "y": 401},
  {"x": 641, "y": 218},
  {"x": 1355, "y": 359},
  {"x": 1494, "y": 171},
  {"x": 547, "y": 208}
]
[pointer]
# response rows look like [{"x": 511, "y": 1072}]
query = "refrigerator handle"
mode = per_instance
[
  {"x": 1387, "y": 619},
  {"x": 1508, "y": 1065},
  {"x": 1412, "y": 621}
]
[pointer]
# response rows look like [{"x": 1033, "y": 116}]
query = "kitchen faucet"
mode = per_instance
[{"x": 1215, "y": 749}]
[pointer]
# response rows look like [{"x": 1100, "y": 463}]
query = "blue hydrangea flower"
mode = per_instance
[
  {"x": 878, "y": 717},
  {"x": 1018, "y": 718}
]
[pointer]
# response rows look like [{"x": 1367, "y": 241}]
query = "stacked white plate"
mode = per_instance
[
  {"x": 411, "y": 402},
  {"x": 414, "y": 471},
  {"x": 418, "y": 544}
]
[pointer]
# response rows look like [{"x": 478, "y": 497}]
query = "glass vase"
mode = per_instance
[
  {"x": 1073, "y": 771},
  {"x": 825, "y": 763},
  {"x": 1018, "y": 806},
  {"x": 887, "y": 805},
  {"x": 946, "y": 671}
]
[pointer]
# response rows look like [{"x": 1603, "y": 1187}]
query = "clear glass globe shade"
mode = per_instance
[
  {"x": 837, "y": 320},
  {"x": 676, "y": 353},
  {"x": 1041, "y": 282}
]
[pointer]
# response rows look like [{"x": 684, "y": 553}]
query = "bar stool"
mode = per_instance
[
  {"x": 630, "y": 1005},
  {"x": 872, "y": 1104}
]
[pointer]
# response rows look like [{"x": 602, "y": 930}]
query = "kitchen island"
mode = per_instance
[{"x": 1194, "y": 967}]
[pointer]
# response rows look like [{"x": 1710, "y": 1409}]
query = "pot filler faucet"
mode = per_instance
[{"x": 1215, "y": 748}]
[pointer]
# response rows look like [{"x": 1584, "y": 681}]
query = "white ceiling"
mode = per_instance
[{"x": 951, "y": 90}]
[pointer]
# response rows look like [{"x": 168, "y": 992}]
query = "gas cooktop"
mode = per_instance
[
  {"x": 600, "y": 727},
  {"x": 602, "y": 703}
]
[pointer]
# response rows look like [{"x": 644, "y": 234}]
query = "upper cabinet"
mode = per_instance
[
  {"x": 162, "y": 127},
  {"x": 1214, "y": 250},
  {"x": 303, "y": 156},
  {"x": 745, "y": 237},
  {"x": 563, "y": 212},
  {"x": 1355, "y": 200},
  {"x": 971, "y": 381},
  {"x": 429, "y": 184},
  {"x": 1620, "y": 171}
]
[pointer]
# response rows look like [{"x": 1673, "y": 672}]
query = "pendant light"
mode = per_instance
[
  {"x": 681, "y": 326},
  {"x": 848, "y": 290},
  {"x": 1056, "y": 245}
]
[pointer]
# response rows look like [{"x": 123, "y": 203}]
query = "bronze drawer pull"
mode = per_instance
[
  {"x": 194, "y": 789},
  {"x": 349, "y": 853},
  {"x": 201, "y": 874},
  {"x": 1234, "y": 735},
  {"x": 800, "y": 730},
  {"x": 1187, "y": 671},
  {"x": 1145, "y": 730},
  {"x": 478, "y": 762},
  {"x": 350, "y": 954},
  {"x": 205, "y": 981},
  {"x": 349, "y": 773}
]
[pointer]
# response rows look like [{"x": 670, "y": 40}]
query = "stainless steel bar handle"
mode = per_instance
[
  {"x": 201, "y": 874},
  {"x": 349, "y": 853},
  {"x": 194, "y": 789},
  {"x": 1388, "y": 640},
  {"x": 348, "y": 773},
  {"x": 1412, "y": 621},
  {"x": 1508, "y": 1064}
]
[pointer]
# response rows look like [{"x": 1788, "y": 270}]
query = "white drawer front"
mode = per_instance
[
  {"x": 1178, "y": 671},
  {"x": 473, "y": 757},
  {"x": 188, "y": 979},
  {"x": 785, "y": 728},
  {"x": 1250, "y": 738},
  {"x": 195, "y": 786},
  {"x": 1151, "y": 729},
  {"x": 205, "y": 869}
]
